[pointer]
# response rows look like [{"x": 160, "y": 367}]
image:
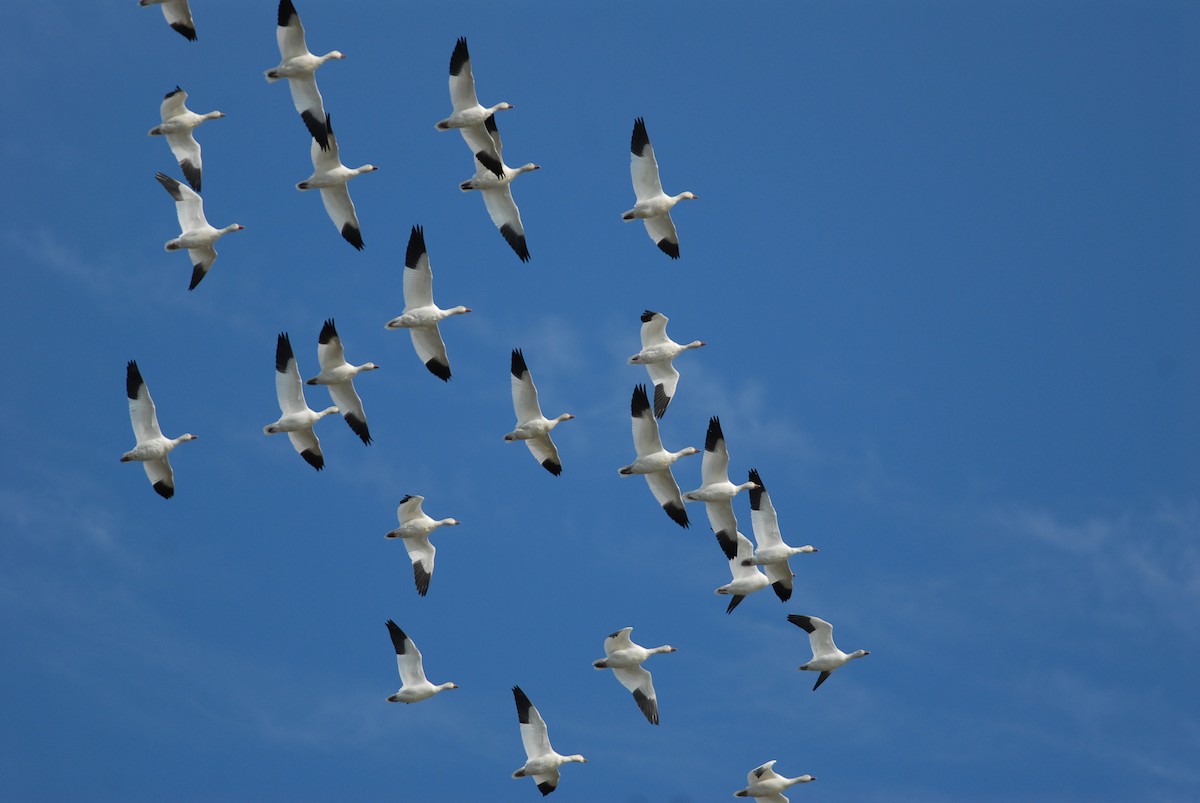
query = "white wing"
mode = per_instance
[
  {"x": 506, "y": 216},
  {"x": 721, "y": 517},
  {"x": 159, "y": 471},
  {"x": 418, "y": 275},
  {"x": 421, "y": 552},
  {"x": 745, "y": 549},
  {"x": 646, "y": 439},
  {"x": 173, "y": 103},
  {"x": 186, "y": 151},
  {"x": 289, "y": 389},
  {"x": 290, "y": 36},
  {"x": 142, "y": 413},
  {"x": 179, "y": 17},
  {"x": 643, "y": 167},
  {"x": 546, "y": 453},
  {"x": 618, "y": 641},
  {"x": 342, "y": 213},
  {"x": 762, "y": 516},
  {"x": 638, "y": 680},
  {"x": 202, "y": 262},
  {"x": 410, "y": 508},
  {"x": 780, "y": 576},
  {"x": 654, "y": 329},
  {"x": 666, "y": 491},
  {"x": 534, "y": 734},
  {"x": 662, "y": 230},
  {"x": 428, "y": 343},
  {"x": 524, "y": 392},
  {"x": 820, "y": 634},
  {"x": 714, "y": 468},
  {"x": 189, "y": 206},
  {"x": 762, "y": 773},
  {"x": 462, "y": 85},
  {"x": 305, "y": 442},
  {"x": 345, "y": 397},
  {"x": 666, "y": 380},
  {"x": 408, "y": 657}
]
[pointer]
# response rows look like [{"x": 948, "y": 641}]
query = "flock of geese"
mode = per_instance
[{"x": 753, "y": 566}]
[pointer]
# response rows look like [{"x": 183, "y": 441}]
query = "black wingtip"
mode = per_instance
[
  {"x": 133, "y": 379},
  {"x": 714, "y": 434},
  {"x": 398, "y": 636},
  {"x": 490, "y": 162},
  {"x": 164, "y": 490},
  {"x": 728, "y": 544},
  {"x": 782, "y": 590},
  {"x": 640, "y": 138},
  {"x": 191, "y": 173},
  {"x": 314, "y": 459},
  {"x": 359, "y": 427},
  {"x": 545, "y": 787},
  {"x": 174, "y": 91},
  {"x": 519, "y": 368},
  {"x": 186, "y": 31},
  {"x": 640, "y": 402},
  {"x": 170, "y": 184},
  {"x": 669, "y": 248},
  {"x": 677, "y": 513},
  {"x": 756, "y": 493},
  {"x": 198, "y": 274},
  {"x": 416, "y": 247},
  {"x": 517, "y": 241},
  {"x": 283, "y": 352},
  {"x": 733, "y": 603},
  {"x": 647, "y": 315},
  {"x": 328, "y": 332},
  {"x": 552, "y": 466},
  {"x": 523, "y": 705},
  {"x": 439, "y": 369},
  {"x": 661, "y": 400},
  {"x": 352, "y": 235},
  {"x": 647, "y": 706},
  {"x": 460, "y": 56},
  {"x": 319, "y": 129},
  {"x": 286, "y": 12},
  {"x": 802, "y": 622},
  {"x": 824, "y": 676},
  {"x": 421, "y": 577}
]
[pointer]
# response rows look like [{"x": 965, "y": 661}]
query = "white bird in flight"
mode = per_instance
[
  {"x": 178, "y": 14},
  {"x": 178, "y": 126},
  {"x": 297, "y": 419},
  {"x": 770, "y": 551},
  {"x": 658, "y": 352},
  {"x": 533, "y": 427},
  {"x": 414, "y": 686},
  {"x": 826, "y": 656},
  {"x": 653, "y": 461},
  {"x": 767, "y": 785},
  {"x": 152, "y": 448},
  {"x": 625, "y": 659},
  {"x": 196, "y": 235},
  {"x": 299, "y": 67},
  {"x": 468, "y": 116},
  {"x": 541, "y": 761},
  {"x": 338, "y": 375},
  {"x": 330, "y": 176},
  {"x": 496, "y": 188},
  {"x": 415, "y": 529},
  {"x": 653, "y": 206}
]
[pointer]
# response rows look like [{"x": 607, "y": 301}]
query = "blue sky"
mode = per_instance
[{"x": 944, "y": 257}]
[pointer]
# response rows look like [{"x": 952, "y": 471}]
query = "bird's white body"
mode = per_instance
[
  {"x": 764, "y": 783},
  {"x": 746, "y": 579}
]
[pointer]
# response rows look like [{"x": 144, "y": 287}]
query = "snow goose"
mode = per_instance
[
  {"x": 414, "y": 687},
  {"x": 716, "y": 491},
  {"x": 497, "y": 193},
  {"x": 152, "y": 448},
  {"x": 653, "y": 461},
  {"x": 653, "y": 206},
  {"x": 541, "y": 760},
  {"x": 178, "y": 15},
  {"x": 178, "y": 122},
  {"x": 421, "y": 315},
  {"x": 826, "y": 656},
  {"x": 468, "y": 116},
  {"x": 338, "y": 375},
  {"x": 533, "y": 427},
  {"x": 658, "y": 352},
  {"x": 766, "y": 784},
  {"x": 299, "y": 67},
  {"x": 297, "y": 419},
  {"x": 625, "y": 659},
  {"x": 197, "y": 236},
  {"x": 770, "y": 551},
  {"x": 330, "y": 177},
  {"x": 746, "y": 578},
  {"x": 414, "y": 530}
]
